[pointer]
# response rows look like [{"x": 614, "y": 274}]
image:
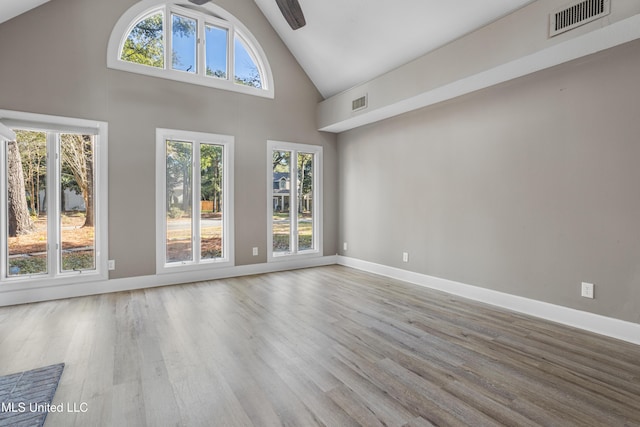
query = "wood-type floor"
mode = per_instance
[{"x": 326, "y": 346}]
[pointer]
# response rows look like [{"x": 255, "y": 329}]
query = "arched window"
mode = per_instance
[{"x": 202, "y": 45}]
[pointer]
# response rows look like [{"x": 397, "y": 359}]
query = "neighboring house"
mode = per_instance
[
  {"x": 281, "y": 187},
  {"x": 71, "y": 201},
  {"x": 281, "y": 191}
]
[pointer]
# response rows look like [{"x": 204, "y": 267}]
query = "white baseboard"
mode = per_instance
[
  {"x": 47, "y": 293},
  {"x": 603, "y": 325},
  {"x": 615, "y": 328}
]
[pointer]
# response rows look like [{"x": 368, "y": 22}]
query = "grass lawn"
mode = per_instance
[
  {"x": 28, "y": 252},
  {"x": 179, "y": 246},
  {"x": 281, "y": 231}
]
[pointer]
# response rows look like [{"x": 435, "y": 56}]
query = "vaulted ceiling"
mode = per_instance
[
  {"x": 12, "y": 8},
  {"x": 347, "y": 42}
]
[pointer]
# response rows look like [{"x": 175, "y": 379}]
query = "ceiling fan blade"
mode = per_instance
[
  {"x": 199, "y": 2},
  {"x": 292, "y": 12}
]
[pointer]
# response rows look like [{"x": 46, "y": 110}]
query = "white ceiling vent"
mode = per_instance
[
  {"x": 576, "y": 14},
  {"x": 359, "y": 103}
]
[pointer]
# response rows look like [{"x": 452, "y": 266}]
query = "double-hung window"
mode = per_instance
[
  {"x": 53, "y": 199},
  {"x": 294, "y": 187},
  {"x": 194, "y": 200}
]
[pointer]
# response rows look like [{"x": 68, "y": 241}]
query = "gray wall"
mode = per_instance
[
  {"x": 508, "y": 46},
  {"x": 54, "y": 62},
  {"x": 528, "y": 188}
]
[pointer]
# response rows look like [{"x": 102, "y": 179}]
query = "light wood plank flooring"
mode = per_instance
[{"x": 326, "y": 346}]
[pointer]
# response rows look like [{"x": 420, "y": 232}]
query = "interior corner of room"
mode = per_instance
[
  {"x": 499, "y": 160},
  {"x": 486, "y": 158}
]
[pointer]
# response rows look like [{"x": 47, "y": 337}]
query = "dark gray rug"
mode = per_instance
[{"x": 26, "y": 396}]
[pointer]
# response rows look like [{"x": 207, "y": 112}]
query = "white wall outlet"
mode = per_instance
[
  {"x": 255, "y": 251},
  {"x": 112, "y": 264},
  {"x": 405, "y": 256},
  {"x": 344, "y": 246},
  {"x": 587, "y": 289}
]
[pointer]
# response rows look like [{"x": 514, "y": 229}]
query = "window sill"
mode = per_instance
[
  {"x": 202, "y": 266},
  {"x": 288, "y": 257},
  {"x": 35, "y": 282},
  {"x": 184, "y": 77}
]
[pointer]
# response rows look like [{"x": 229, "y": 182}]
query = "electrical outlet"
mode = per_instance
[
  {"x": 255, "y": 251},
  {"x": 587, "y": 289},
  {"x": 405, "y": 256},
  {"x": 344, "y": 246},
  {"x": 112, "y": 264}
]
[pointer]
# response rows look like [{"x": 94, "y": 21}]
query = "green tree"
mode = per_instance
[
  {"x": 33, "y": 154},
  {"x": 305, "y": 179},
  {"x": 19, "y": 219},
  {"x": 281, "y": 161},
  {"x": 77, "y": 159},
  {"x": 179, "y": 159},
  {"x": 145, "y": 44},
  {"x": 217, "y": 73},
  {"x": 211, "y": 174},
  {"x": 253, "y": 79}
]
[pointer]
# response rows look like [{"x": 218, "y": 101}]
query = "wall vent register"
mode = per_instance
[
  {"x": 577, "y": 14},
  {"x": 359, "y": 104}
]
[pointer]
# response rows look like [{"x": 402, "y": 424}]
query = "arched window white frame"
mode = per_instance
[{"x": 208, "y": 14}]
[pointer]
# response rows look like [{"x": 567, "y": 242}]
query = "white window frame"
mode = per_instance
[
  {"x": 207, "y": 13},
  {"x": 196, "y": 138},
  {"x": 55, "y": 275},
  {"x": 295, "y": 148}
]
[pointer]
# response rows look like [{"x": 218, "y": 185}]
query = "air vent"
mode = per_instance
[
  {"x": 359, "y": 104},
  {"x": 576, "y": 14}
]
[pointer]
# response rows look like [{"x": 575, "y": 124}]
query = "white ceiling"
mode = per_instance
[
  {"x": 347, "y": 42},
  {"x": 13, "y": 8}
]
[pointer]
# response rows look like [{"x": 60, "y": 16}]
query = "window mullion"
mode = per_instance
[
  {"x": 53, "y": 204},
  {"x": 195, "y": 203},
  {"x": 168, "y": 44},
  {"x": 315, "y": 200},
  {"x": 293, "y": 205},
  {"x": 4, "y": 242},
  {"x": 226, "y": 200},
  {"x": 201, "y": 48},
  {"x": 231, "y": 55}
]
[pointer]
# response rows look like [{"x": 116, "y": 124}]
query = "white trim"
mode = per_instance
[
  {"x": 10, "y": 10},
  {"x": 48, "y": 293},
  {"x": 595, "y": 41},
  {"x": 4, "y": 243},
  {"x": 49, "y": 122},
  {"x": 196, "y": 138},
  {"x": 205, "y": 13},
  {"x": 296, "y": 148},
  {"x": 6, "y": 134},
  {"x": 615, "y": 328},
  {"x": 55, "y": 276}
]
